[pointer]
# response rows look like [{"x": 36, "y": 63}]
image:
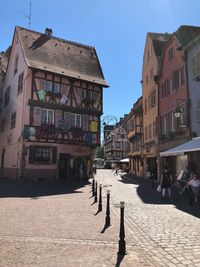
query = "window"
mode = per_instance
[
  {"x": 173, "y": 121},
  {"x": 56, "y": 88},
  {"x": 196, "y": 65},
  {"x": 150, "y": 131},
  {"x": 20, "y": 82},
  {"x": 154, "y": 129},
  {"x": 48, "y": 86},
  {"x": 83, "y": 94},
  {"x": 72, "y": 120},
  {"x": 42, "y": 154},
  {"x": 145, "y": 133},
  {"x": 145, "y": 106},
  {"x": 16, "y": 64},
  {"x": 7, "y": 96},
  {"x": 182, "y": 117},
  {"x": 47, "y": 116},
  {"x": 182, "y": 76},
  {"x": 170, "y": 54},
  {"x": 117, "y": 144},
  {"x": 198, "y": 110},
  {"x": 164, "y": 124},
  {"x": 13, "y": 120}
]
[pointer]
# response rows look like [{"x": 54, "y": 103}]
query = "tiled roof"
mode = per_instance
[
  {"x": 159, "y": 40},
  {"x": 60, "y": 56},
  {"x": 186, "y": 32},
  {"x": 4, "y": 56}
]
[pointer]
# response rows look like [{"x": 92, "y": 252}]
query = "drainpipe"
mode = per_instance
[{"x": 188, "y": 103}]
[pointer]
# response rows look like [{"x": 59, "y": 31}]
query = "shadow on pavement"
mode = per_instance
[
  {"x": 119, "y": 260},
  {"x": 104, "y": 228},
  {"x": 13, "y": 188},
  {"x": 149, "y": 195}
]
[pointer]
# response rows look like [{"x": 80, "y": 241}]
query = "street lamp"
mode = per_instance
[{"x": 179, "y": 112}]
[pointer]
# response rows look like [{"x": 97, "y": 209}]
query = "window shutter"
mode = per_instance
[
  {"x": 54, "y": 154},
  {"x": 31, "y": 154},
  {"x": 85, "y": 122},
  {"x": 194, "y": 67},
  {"x": 37, "y": 116}
]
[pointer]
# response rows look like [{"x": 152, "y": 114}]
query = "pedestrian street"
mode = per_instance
[{"x": 166, "y": 230}]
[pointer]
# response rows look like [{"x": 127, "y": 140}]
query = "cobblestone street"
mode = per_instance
[
  {"x": 46, "y": 224},
  {"x": 168, "y": 232}
]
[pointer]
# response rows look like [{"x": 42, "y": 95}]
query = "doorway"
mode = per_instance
[{"x": 64, "y": 160}]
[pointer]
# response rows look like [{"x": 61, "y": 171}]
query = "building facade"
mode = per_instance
[
  {"x": 177, "y": 101},
  {"x": 135, "y": 137},
  {"x": 51, "y": 106},
  {"x": 151, "y": 60},
  {"x": 116, "y": 143}
]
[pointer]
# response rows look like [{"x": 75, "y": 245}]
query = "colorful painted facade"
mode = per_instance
[
  {"x": 151, "y": 60},
  {"x": 51, "y": 107},
  {"x": 135, "y": 136}
]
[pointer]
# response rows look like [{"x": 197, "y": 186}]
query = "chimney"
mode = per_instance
[{"x": 48, "y": 32}]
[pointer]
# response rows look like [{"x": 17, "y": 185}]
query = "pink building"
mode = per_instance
[
  {"x": 51, "y": 92},
  {"x": 174, "y": 96}
]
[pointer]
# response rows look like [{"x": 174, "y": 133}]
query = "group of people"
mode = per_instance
[
  {"x": 189, "y": 180},
  {"x": 185, "y": 181}
]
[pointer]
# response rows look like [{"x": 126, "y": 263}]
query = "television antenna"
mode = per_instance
[{"x": 29, "y": 17}]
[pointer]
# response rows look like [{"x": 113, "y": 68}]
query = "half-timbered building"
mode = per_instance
[{"x": 51, "y": 107}]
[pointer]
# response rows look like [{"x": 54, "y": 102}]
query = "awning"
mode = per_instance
[
  {"x": 124, "y": 160},
  {"x": 192, "y": 145}
]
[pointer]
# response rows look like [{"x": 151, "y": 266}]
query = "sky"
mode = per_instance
[{"x": 117, "y": 29}]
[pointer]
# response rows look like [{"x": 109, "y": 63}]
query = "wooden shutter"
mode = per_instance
[
  {"x": 54, "y": 154},
  {"x": 37, "y": 116},
  {"x": 194, "y": 67},
  {"x": 31, "y": 154},
  {"x": 85, "y": 122}
]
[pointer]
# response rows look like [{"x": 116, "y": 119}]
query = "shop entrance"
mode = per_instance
[{"x": 64, "y": 160}]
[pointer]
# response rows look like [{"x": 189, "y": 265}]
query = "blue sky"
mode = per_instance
[{"x": 117, "y": 28}]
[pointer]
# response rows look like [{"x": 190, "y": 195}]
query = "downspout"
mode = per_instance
[{"x": 188, "y": 103}]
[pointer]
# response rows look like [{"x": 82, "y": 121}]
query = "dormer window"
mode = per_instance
[{"x": 16, "y": 64}]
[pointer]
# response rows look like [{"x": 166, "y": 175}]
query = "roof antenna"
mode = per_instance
[{"x": 30, "y": 15}]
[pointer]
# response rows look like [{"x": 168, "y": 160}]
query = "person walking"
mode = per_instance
[
  {"x": 166, "y": 182},
  {"x": 153, "y": 177}
]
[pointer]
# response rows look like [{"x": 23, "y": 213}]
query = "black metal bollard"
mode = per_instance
[
  {"x": 122, "y": 243},
  {"x": 93, "y": 187},
  {"x": 95, "y": 194},
  {"x": 100, "y": 198},
  {"x": 107, "y": 223}
]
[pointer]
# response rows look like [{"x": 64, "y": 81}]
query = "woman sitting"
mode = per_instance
[{"x": 194, "y": 184}]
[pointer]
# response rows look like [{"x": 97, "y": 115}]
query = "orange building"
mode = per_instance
[{"x": 151, "y": 60}]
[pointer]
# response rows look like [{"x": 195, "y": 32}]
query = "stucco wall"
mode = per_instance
[{"x": 194, "y": 89}]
